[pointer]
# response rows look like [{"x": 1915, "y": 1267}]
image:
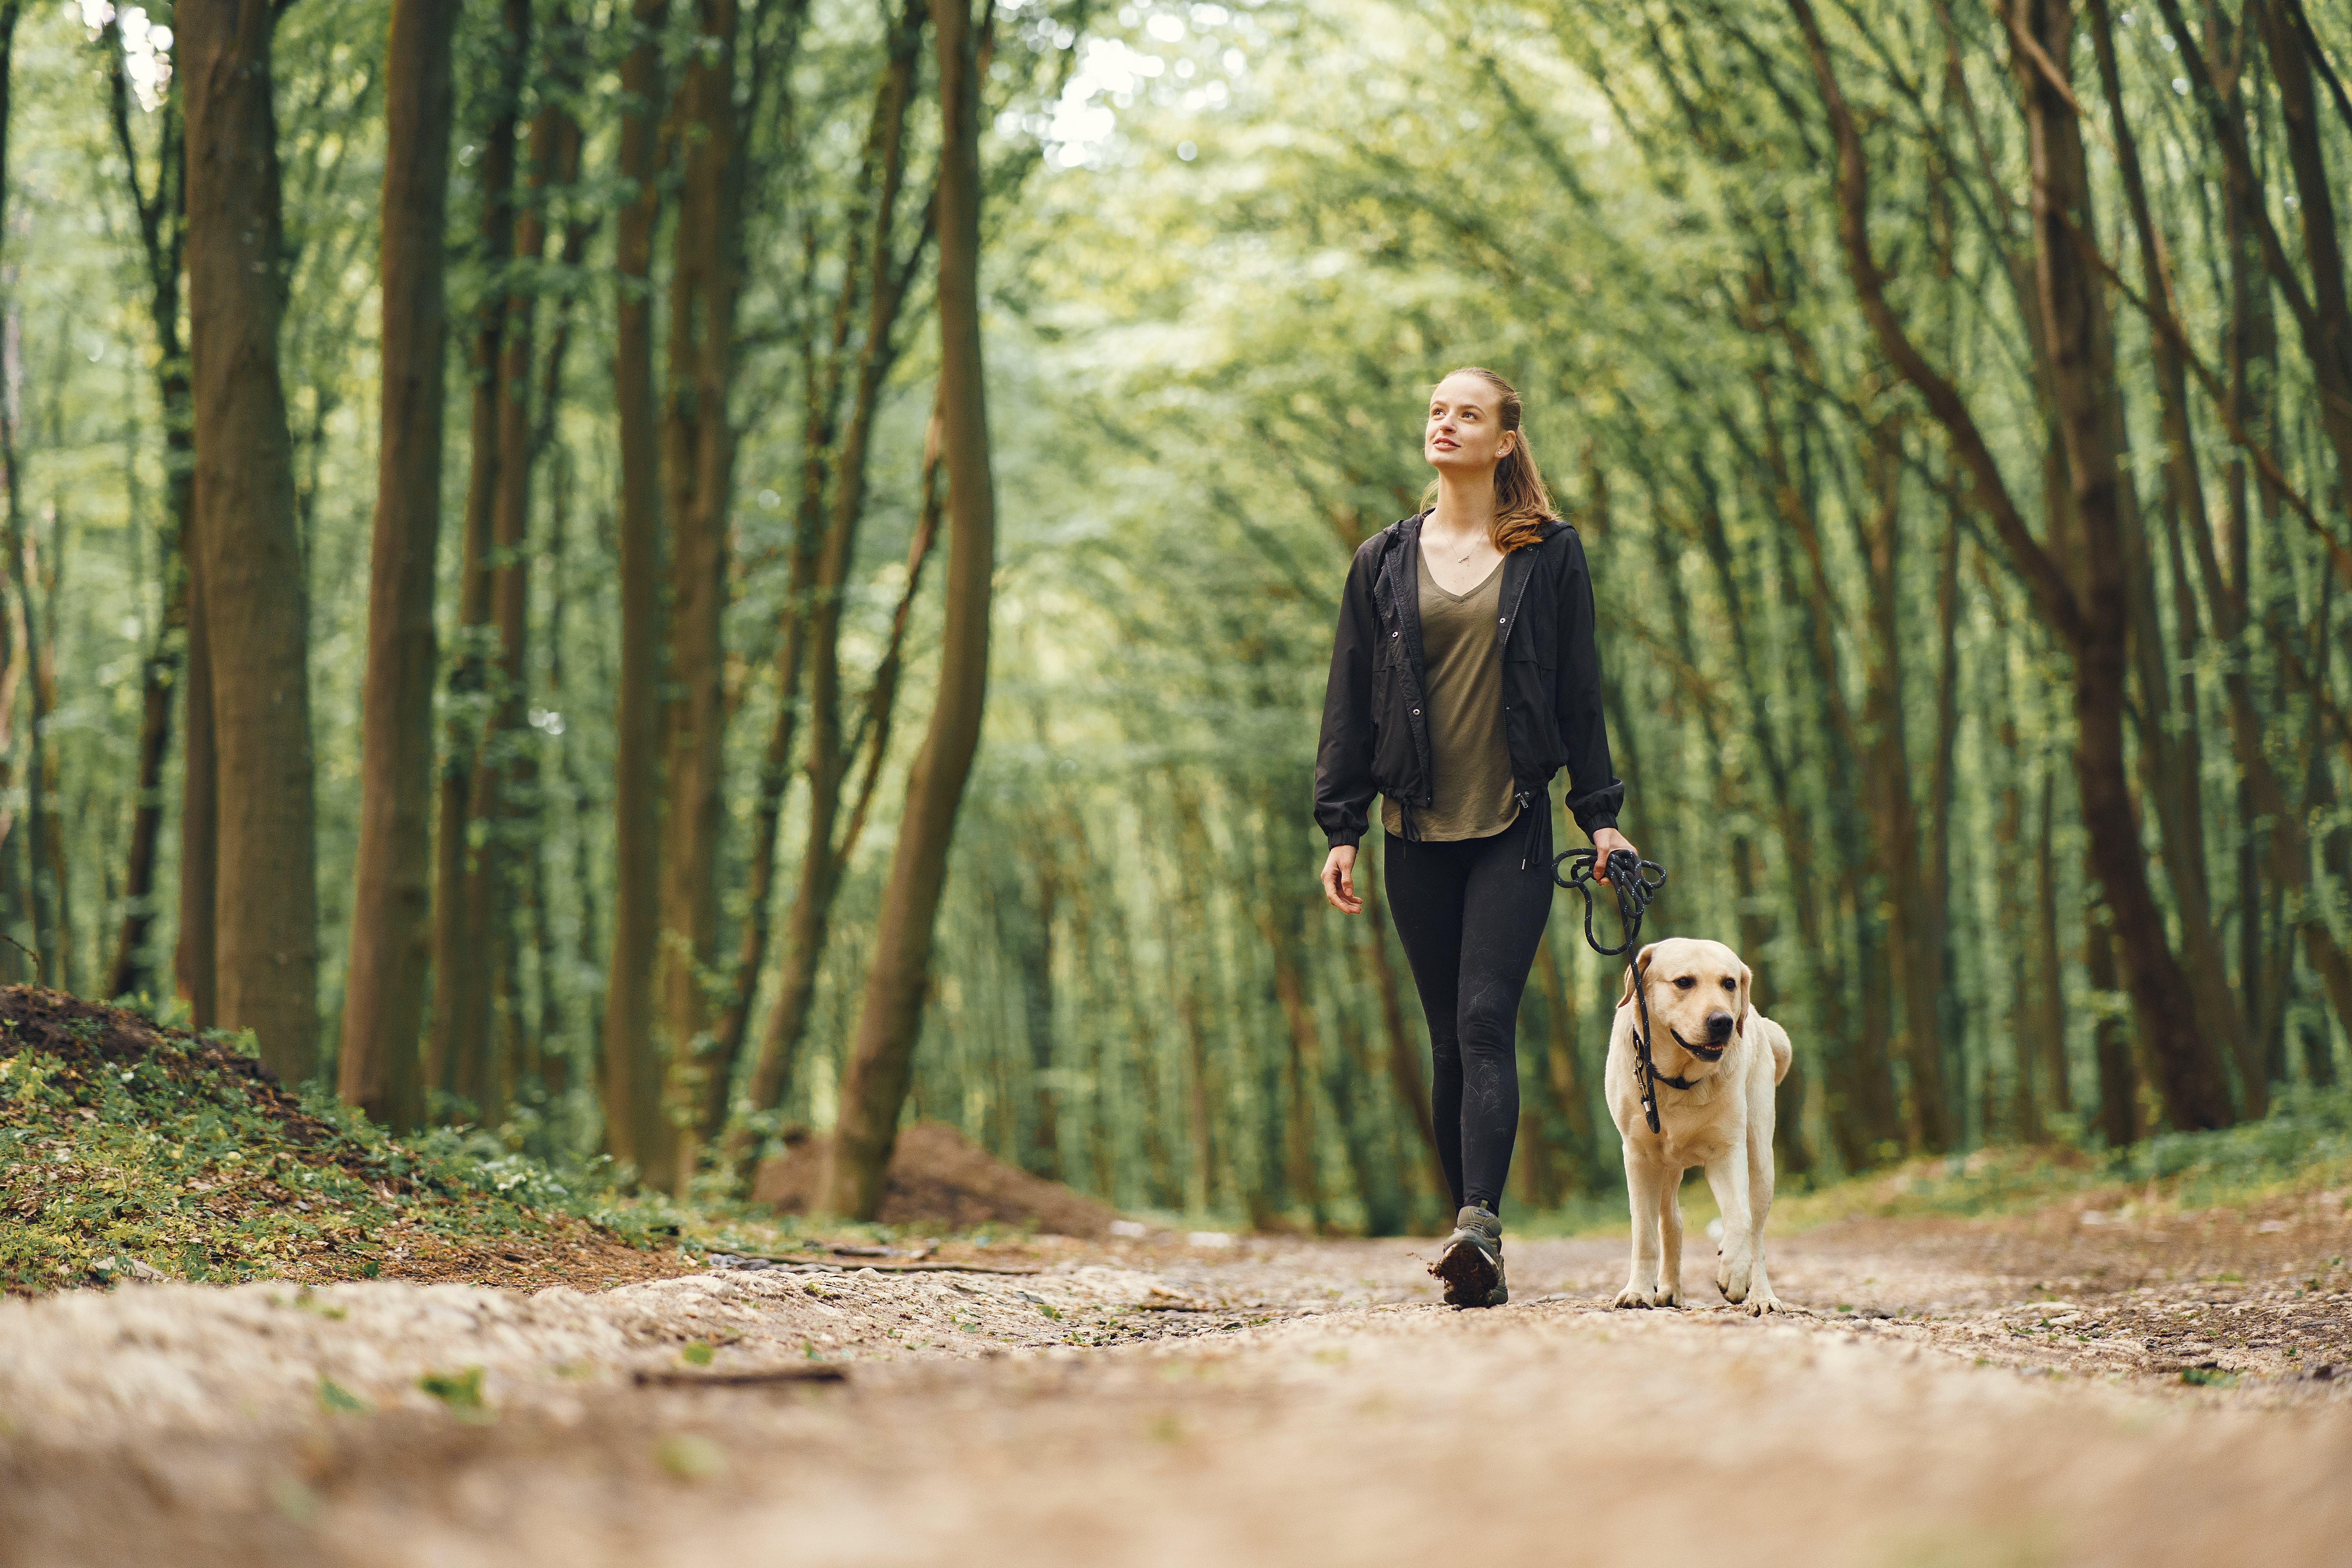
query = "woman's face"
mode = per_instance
[{"x": 1466, "y": 433}]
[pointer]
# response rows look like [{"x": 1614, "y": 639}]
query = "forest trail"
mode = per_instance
[{"x": 1955, "y": 1392}]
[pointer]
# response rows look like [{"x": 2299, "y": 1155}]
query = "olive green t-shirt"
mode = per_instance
[{"x": 1472, "y": 796}]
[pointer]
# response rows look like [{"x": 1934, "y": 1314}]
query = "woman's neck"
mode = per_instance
[{"x": 1465, "y": 506}]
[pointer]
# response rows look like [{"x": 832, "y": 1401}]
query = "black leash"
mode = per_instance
[{"x": 1635, "y": 881}]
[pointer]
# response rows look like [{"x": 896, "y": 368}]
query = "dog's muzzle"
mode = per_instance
[{"x": 1712, "y": 1051}]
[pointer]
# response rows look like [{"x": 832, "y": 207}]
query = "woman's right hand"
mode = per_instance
[{"x": 1339, "y": 879}]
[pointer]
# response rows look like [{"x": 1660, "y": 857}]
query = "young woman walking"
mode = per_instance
[{"x": 1463, "y": 676}]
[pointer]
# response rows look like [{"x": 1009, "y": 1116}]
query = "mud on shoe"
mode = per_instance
[{"x": 1471, "y": 1263}]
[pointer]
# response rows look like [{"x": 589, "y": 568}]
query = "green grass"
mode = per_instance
[
  {"x": 125, "y": 1146},
  {"x": 2305, "y": 1142}
]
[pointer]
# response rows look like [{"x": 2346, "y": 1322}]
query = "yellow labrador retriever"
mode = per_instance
[{"x": 1704, "y": 1034}]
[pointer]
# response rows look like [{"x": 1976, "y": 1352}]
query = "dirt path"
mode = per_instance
[{"x": 1959, "y": 1394}]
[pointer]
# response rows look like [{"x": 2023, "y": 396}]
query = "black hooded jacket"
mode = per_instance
[{"x": 1375, "y": 735}]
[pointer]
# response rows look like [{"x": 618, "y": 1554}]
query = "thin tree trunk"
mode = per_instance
[
  {"x": 252, "y": 580},
  {"x": 874, "y": 1086},
  {"x": 1044, "y": 1152},
  {"x": 1862, "y": 1105},
  {"x": 465, "y": 925},
  {"x": 39, "y": 882},
  {"x": 635, "y": 1129},
  {"x": 1914, "y": 931},
  {"x": 15, "y": 544},
  {"x": 2049, "y": 989},
  {"x": 2025, "y": 1115},
  {"x": 196, "y": 961},
  {"x": 788, "y": 1016},
  {"x": 162, "y": 215},
  {"x": 392, "y": 893},
  {"x": 506, "y": 803},
  {"x": 697, "y": 472},
  {"x": 2118, "y": 1081}
]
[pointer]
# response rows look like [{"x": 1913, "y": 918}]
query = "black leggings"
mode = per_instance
[{"x": 1470, "y": 915}]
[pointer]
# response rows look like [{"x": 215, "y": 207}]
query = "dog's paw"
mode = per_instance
[
  {"x": 1763, "y": 1301},
  {"x": 1665, "y": 1299},
  {"x": 1734, "y": 1282},
  {"x": 1631, "y": 1297}
]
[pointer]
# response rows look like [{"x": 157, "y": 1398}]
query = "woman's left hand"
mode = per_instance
[{"x": 1605, "y": 843}]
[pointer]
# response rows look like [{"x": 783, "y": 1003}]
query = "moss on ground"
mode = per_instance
[{"x": 128, "y": 1150}]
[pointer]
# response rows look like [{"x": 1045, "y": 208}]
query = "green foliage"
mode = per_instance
[
  {"x": 122, "y": 1144},
  {"x": 460, "y": 1391},
  {"x": 337, "y": 1400},
  {"x": 2305, "y": 1142}
]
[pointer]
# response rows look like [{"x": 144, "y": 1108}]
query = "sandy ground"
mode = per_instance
[{"x": 1955, "y": 1393}]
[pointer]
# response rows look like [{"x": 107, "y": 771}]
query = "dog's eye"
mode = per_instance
[
  {"x": 1684, "y": 982},
  {"x": 1730, "y": 985}
]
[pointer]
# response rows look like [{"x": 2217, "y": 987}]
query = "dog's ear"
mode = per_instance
[
  {"x": 1747, "y": 984},
  {"x": 1639, "y": 967}
]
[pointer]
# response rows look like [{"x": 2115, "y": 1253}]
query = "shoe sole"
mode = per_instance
[{"x": 1469, "y": 1274}]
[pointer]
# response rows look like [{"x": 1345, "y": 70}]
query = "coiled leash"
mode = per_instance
[{"x": 1635, "y": 881}]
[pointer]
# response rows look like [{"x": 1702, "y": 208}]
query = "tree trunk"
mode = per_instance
[
  {"x": 505, "y": 800},
  {"x": 35, "y": 813},
  {"x": 697, "y": 472},
  {"x": 465, "y": 918},
  {"x": 392, "y": 894},
  {"x": 163, "y": 230},
  {"x": 2118, "y": 1082},
  {"x": 196, "y": 962},
  {"x": 875, "y": 1087},
  {"x": 635, "y": 1129},
  {"x": 253, "y": 584},
  {"x": 1915, "y": 930},
  {"x": 2050, "y": 975}
]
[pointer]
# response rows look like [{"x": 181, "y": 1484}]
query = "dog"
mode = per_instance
[{"x": 1705, "y": 1032}]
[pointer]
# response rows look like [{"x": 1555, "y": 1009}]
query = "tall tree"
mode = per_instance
[
  {"x": 635, "y": 1129},
  {"x": 254, "y": 589},
  {"x": 161, "y": 214},
  {"x": 467, "y": 873},
  {"x": 12, "y": 541},
  {"x": 881, "y": 1064},
  {"x": 698, "y": 476},
  {"x": 384, "y": 995}
]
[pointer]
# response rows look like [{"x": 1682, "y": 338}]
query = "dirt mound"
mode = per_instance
[
  {"x": 937, "y": 1177},
  {"x": 130, "y": 1151}
]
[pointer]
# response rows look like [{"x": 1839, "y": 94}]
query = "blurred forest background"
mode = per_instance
[{"x": 505, "y": 525}]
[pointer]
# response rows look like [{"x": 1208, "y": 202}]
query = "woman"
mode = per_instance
[{"x": 1463, "y": 676}]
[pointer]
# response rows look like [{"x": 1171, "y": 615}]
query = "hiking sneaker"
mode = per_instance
[{"x": 1471, "y": 1263}]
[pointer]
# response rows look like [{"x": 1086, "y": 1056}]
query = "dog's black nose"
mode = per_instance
[{"x": 1718, "y": 1026}]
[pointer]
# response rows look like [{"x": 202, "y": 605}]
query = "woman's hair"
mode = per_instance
[{"x": 1522, "y": 504}]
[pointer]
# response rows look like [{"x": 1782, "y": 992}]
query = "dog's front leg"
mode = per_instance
[
  {"x": 1643, "y": 1185},
  {"x": 1735, "y": 1264},
  {"x": 1670, "y": 1226}
]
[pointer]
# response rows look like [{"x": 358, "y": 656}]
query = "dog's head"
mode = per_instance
[{"x": 1697, "y": 997}]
